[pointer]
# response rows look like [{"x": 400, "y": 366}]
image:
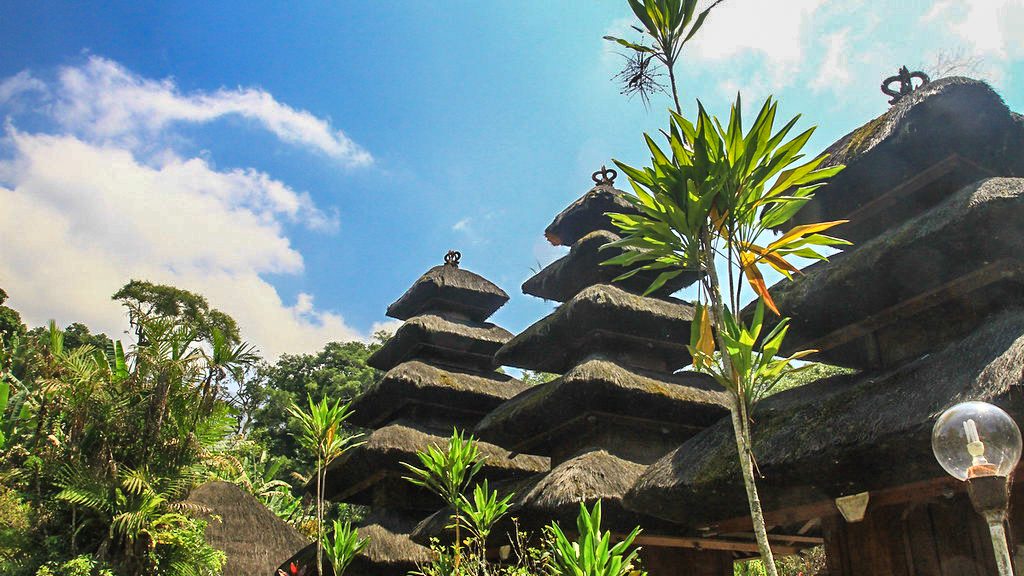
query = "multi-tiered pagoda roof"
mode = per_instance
[
  {"x": 440, "y": 376},
  {"x": 927, "y": 304},
  {"x": 617, "y": 404}
]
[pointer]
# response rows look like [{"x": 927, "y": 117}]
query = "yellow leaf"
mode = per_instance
[
  {"x": 705, "y": 342},
  {"x": 718, "y": 221},
  {"x": 756, "y": 281},
  {"x": 798, "y": 231},
  {"x": 774, "y": 260}
]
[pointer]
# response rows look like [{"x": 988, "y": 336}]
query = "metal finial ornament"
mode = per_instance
[
  {"x": 604, "y": 176},
  {"x": 906, "y": 79},
  {"x": 452, "y": 258}
]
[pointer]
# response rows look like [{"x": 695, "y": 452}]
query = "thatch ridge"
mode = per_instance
[
  {"x": 599, "y": 385},
  {"x": 981, "y": 224},
  {"x": 949, "y": 116},
  {"x": 254, "y": 539},
  {"x": 449, "y": 288},
  {"x": 581, "y": 267},
  {"x": 352, "y": 478},
  {"x": 470, "y": 393},
  {"x": 842, "y": 435},
  {"x": 587, "y": 214},
  {"x": 443, "y": 338},
  {"x": 606, "y": 319}
]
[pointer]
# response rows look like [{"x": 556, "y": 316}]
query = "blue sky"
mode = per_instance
[{"x": 302, "y": 163}]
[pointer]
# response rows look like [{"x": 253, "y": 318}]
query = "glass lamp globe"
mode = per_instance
[{"x": 976, "y": 439}]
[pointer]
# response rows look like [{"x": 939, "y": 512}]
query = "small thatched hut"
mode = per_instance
[{"x": 255, "y": 540}]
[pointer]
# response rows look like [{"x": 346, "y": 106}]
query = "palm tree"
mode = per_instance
[{"x": 322, "y": 434}]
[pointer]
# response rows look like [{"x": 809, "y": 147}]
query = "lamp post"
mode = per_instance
[{"x": 980, "y": 444}]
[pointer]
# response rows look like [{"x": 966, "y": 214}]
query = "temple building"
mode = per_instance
[
  {"x": 440, "y": 377},
  {"x": 927, "y": 306},
  {"x": 617, "y": 405}
]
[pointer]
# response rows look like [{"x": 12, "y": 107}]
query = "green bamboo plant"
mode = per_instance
[
  {"x": 321, "y": 433},
  {"x": 592, "y": 554},
  {"x": 343, "y": 545},
  {"x": 448, "y": 473},
  {"x": 712, "y": 198},
  {"x": 709, "y": 201}
]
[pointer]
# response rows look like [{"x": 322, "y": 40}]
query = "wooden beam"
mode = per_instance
[
  {"x": 913, "y": 492},
  {"x": 808, "y": 525},
  {"x": 695, "y": 543},
  {"x": 994, "y": 272},
  {"x": 948, "y": 165},
  {"x": 777, "y": 537}
]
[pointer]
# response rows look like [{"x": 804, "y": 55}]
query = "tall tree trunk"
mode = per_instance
[
  {"x": 319, "y": 520},
  {"x": 740, "y": 418}
]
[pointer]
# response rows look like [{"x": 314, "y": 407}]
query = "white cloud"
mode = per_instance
[
  {"x": 771, "y": 31},
  {"x": 834, "y": 73},
  {"x": 389, "y": 326},
  {"x": 101, "y": 100},
  {"x": 21, "y": 83},
  {"x": 462, "y": 225},
  {"x": 990, "y": 26},
  {"x": 79, "y": 219}
]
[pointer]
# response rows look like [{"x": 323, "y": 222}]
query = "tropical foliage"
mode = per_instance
[
  {"x": 323, "y": 436},
  {"x": 100, "y": 442},
  {"x": 711, "y": 197},
  {"x": 593, "y": 554}
]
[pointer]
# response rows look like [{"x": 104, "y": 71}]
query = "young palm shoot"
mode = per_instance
[
  {"x": 342, "y": 546},
  {"x": 482, "y": 512},
  {"x": 592, "y": 554},
  {"x": 710, "y": 201},
  {"x": 448, "y": 473},
  {"x": 322, "y": 434}
]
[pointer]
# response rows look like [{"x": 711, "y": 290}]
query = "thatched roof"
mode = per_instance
[
  {"x": 443, "y": 339},
  {"x": 540, "y": 418},
  {"x": 461, "y": 395},
  {"x": 372, "y": 473},
  {"x": 608, "y": 320},
  {"x": 389, "y": 551},
  {"x": 841, "y": 435},
  {"x": 586, "y": 214},
  {"x": 918, "y": 287},
  {"x": 556, "y": 496},
  {"x": 565, "y": 277},
  {"x": 450, "y": 288},
  {"x": 951, "y": 116},
  {"x": 254, "y": 539},
  {"x": 593, "y": 475}
]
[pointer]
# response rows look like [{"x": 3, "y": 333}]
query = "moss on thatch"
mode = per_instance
[
  {"x": 449, "y": 288},
  {"x": 608, "y": 320},
  {"x": 587, "y": 214},
  {"x": 980, "y": 225},
  {"x": 444, "y": 339},
  {"x": 951, "y": 116},
  {"x": 540, "y": 417},
  {"x": 565, "y": 277},
  {"x": 254, "y": 539},
  {"x": 464, "y": 396},
  {"x": 843, "y": 435},
  {"x": 372, "y": 473}
]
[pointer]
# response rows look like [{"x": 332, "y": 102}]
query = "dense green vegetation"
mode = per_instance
[{"x": 100, "y": 442}]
